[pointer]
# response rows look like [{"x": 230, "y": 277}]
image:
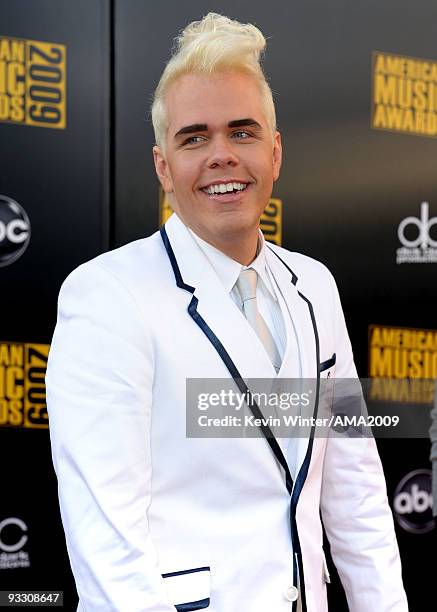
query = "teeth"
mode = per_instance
[{"x": 225, "y": 188}]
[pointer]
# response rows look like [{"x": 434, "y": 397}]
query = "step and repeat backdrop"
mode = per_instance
[
  {"x": 54, "y": 214},
  {"x": 355, "y": 86}
]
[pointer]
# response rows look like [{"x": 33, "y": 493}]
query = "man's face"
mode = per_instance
[{"x": 221, "y": 157}]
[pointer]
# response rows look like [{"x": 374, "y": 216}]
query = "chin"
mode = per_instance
[{"x": 235, "y": 225}]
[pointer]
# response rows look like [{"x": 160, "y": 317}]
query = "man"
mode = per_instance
[{"x": 154, "y": 520}]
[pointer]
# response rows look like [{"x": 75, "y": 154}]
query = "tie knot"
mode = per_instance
[{"x": 246, "y": 284}]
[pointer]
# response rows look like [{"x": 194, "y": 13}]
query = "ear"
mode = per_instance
[
  {"x": 277, "y": 155},
  {"x": 162, "y": 169}
]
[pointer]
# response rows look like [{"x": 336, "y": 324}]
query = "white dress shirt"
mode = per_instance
[
  {"x": 228, "y": 270},
  {"x": 269, "y": 301}
]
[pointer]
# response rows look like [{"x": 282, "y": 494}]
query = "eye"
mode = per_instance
[
  {"x": 241, "y": 134},
  {"x": 193, "y": 140}
]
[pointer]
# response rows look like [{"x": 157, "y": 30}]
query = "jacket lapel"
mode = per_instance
[
  {"x": 217, "y": 309},
  {"x": 214, "y": 311},
  {"x": 301, "y": 316},
  {"x": 215, "y": 305}
]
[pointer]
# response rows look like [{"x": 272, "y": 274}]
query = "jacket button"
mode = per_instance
[{"x": 292, "y": 593}]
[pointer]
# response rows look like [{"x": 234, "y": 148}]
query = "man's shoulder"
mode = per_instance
[
  {"x": 304, "y": 268},
  {"x": 137, "y": 260}
]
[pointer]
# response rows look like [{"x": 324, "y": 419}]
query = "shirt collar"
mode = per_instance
[
  {"x": 260, "y": 264},
  {"x": 228, "y": 270}
]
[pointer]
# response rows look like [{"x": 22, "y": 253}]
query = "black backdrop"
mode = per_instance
[
  {"x": 345, "y": 187},
  {"x": 60, "y": 177}
]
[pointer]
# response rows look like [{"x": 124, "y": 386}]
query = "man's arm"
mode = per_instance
[
  {"x": 99, "y": 397},
  {"x": 355, "y": 509}
]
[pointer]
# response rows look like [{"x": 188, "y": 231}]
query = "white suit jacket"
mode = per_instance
[{"x": 156, "y": 521}]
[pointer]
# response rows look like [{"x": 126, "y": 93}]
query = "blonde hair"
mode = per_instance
[{"x": 213, "y": 45}]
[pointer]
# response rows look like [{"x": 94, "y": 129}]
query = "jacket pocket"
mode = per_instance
[
  {"x": 189, "y": 589},
  {"x": 325, "y": 365}
]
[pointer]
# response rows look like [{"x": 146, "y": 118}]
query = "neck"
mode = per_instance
[
  {"x": 243, "y": 251},
  {"x": 241, "y": 248}
]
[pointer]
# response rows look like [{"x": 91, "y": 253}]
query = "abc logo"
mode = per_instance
[
  {"x": 423, "y": 225},
  {"x": 14, "y": 230},
  {"x": 412, "y": 502},
  {"x": 12, "y": 534}
]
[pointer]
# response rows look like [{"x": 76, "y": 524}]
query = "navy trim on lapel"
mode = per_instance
[
  {"x": 224, "y": 355},
  {"x": 294, "y": 278},
  {"x": 325, "y": 365},
  {"x": 305, "y": 465},
  {"x": 194, "y": 605},
  {"x": 303, "y": 472},
  {"x": 188, "y": 571},
  {"x": 174, "y": 264}
]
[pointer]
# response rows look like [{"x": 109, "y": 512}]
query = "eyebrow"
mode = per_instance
[
  {"x": 243, "y": 122},
  {"x": 189, "y": 129},
  {"x": 202, "y": 127}
]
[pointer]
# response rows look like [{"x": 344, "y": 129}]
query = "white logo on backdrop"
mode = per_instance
[
  {"x": 13, "y": 538},
  {"x": 414, "y": 234}
]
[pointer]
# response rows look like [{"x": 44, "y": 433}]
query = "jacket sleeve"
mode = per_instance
[
  {"x": 99, "y": 395},
  {"x": 355, "y": 510}
]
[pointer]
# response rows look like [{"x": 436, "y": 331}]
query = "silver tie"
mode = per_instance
[{"x": 246, "y": 284}]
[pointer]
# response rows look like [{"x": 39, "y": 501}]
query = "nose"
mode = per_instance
[{"x": 222, "y": 154}]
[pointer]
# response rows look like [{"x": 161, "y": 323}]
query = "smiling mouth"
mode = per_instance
[{"x": 225, "y": 188}]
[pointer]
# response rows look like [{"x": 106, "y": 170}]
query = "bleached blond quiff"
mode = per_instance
[{"x": 216, "y": 44}]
